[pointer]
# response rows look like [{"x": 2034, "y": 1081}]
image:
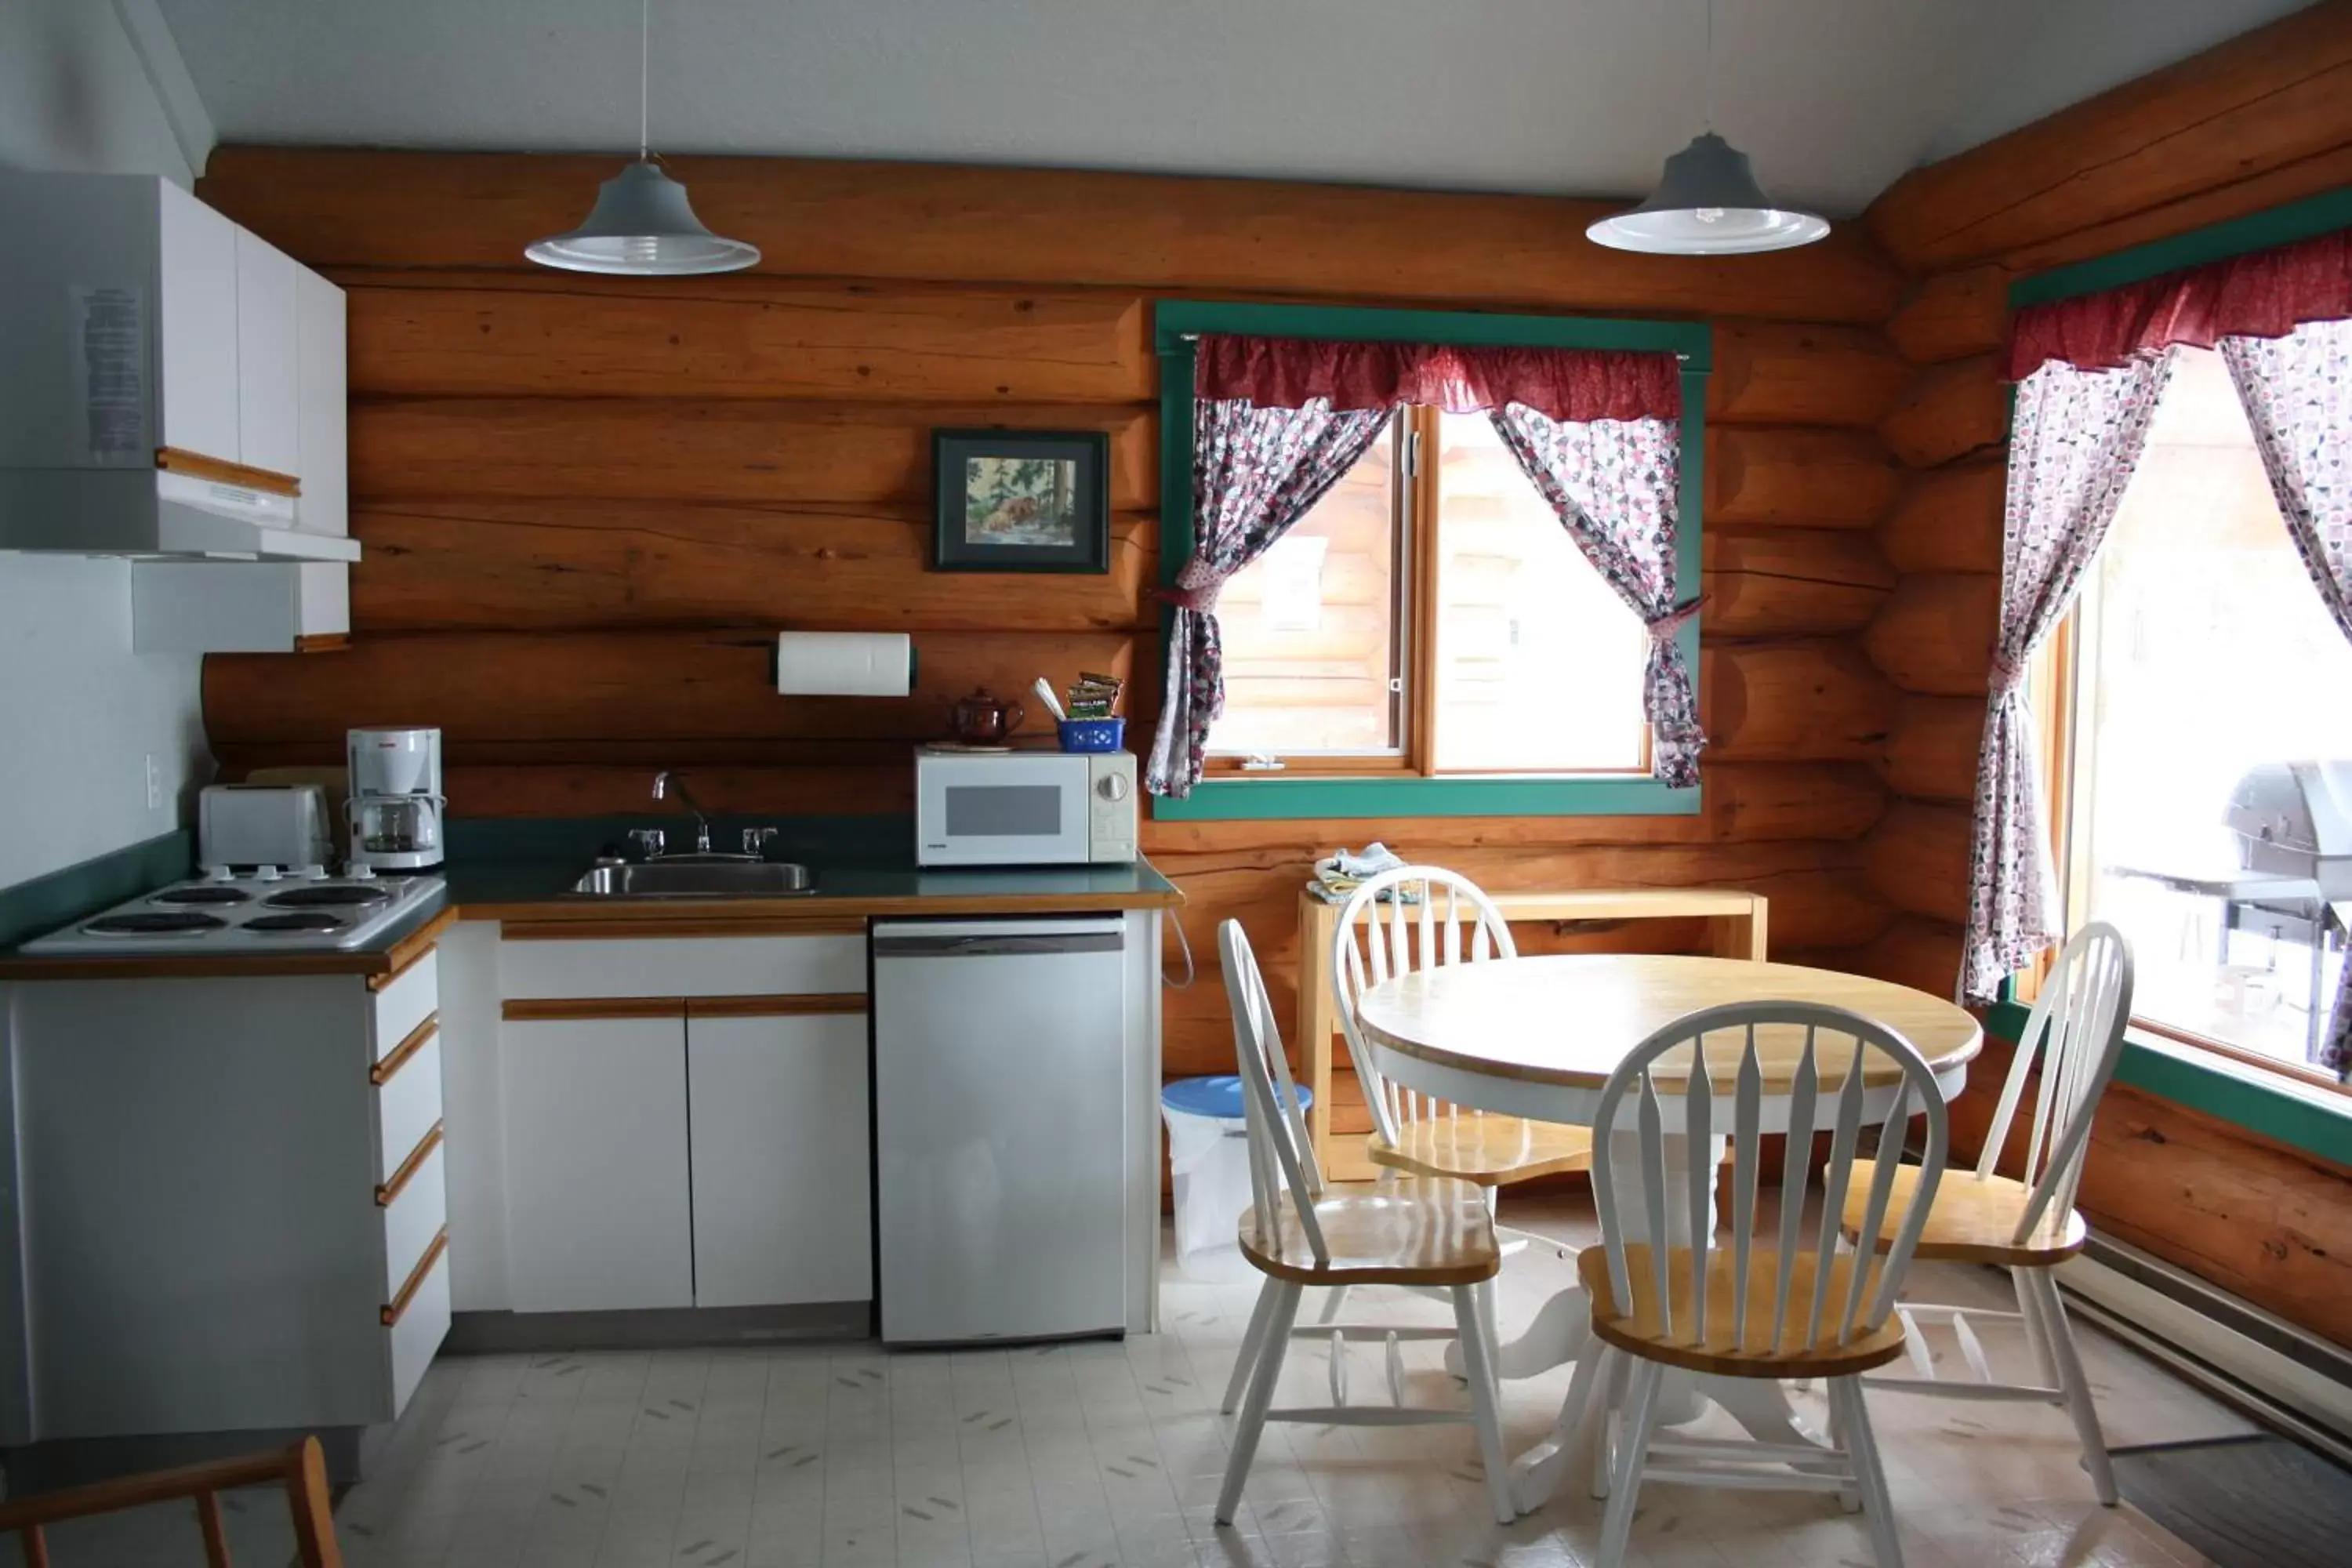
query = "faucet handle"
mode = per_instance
[
  {"x": 649, "y": 841},
  {"x": 757, "y": 840}
]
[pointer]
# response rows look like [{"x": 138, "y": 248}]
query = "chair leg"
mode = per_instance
[
  {"x": 1471, "y": 1328},
  {"x": 2077, "y": 1387},
  {"x": 1612, "y": 1396},
  {"x": 1842, "y": 1438},
  {"x": 1869, "y": 1475},
  {"x": 1252, "y": 1342},
  {"x": 1632, "y": 1453},
  {"x": 1261, "y": 1395},
  {"x": 2037, "y": 1332},
  {"x": 1490, "y": 1321}
]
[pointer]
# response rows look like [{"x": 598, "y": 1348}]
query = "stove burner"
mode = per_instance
[
  {"x": 202, "y": 894},
  {"x": 300, "y": 920},
  {"x": 161, "y": 922},
  {"x": 329, "y": 895}
]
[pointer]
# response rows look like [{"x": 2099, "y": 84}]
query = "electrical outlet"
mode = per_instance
[{"x": 155, "y": 785}]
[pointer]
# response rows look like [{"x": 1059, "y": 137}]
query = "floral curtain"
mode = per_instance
[
  {"x": 1256, "y": 471},
  {"x": 2076, "y": 438},
  {"x": 2297, "y": 392},
  {"x": 1565, "y": 383},
  {"x": 1615, "y": 486}
]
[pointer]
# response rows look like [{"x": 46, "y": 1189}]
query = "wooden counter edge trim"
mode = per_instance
[
  {"x": 551, "y": 919},
  {"x": 409, "y": 1167},
  {"x": 197, "y": 466},
  {"x": 837, "y": 1002},
  {"x": 406, "y": 954},
  {"x": 415, "y": 1281},
  {"x": 551, "y": 1010},
  {"x": 400, "y": 1055}
]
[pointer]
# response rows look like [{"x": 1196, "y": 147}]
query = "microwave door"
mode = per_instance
[{"x": 1006, "y": 811}]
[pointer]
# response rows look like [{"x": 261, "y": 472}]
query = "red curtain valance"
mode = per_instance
[
  {"x": 1576, "y": 386},
  {"x": 2262, "y": 294}
]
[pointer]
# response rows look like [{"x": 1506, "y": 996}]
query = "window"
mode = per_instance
[
  {"x": 2192, "y": 658},
  {"x": 1430, "y": 617}
]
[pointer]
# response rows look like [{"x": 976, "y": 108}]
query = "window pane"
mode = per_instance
[
  {"x": 1309, "y": 626},
  {"x": 2206, "y": 653},
  {"x": 1539, "y": 662}
]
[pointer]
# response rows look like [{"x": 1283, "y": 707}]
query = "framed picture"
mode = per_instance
[{"x": 1021, "y": 500}]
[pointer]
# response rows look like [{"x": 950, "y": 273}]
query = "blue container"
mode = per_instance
[{"x": 1092, "y": 734}]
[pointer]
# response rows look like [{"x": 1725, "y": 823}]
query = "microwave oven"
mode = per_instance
[{"x": 1023, "y": 809}]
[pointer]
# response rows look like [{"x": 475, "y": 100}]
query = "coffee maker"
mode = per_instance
[{"x": 395, "y": 806}]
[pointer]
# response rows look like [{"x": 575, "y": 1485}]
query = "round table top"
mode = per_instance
[{"x": 1567, "y": 1020}]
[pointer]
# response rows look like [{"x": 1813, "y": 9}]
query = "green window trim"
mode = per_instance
[
  {"x": 1177, "y": 322},
  {"x": 2306, "y": 219},
  {"x": 2302, "y": 1117}
]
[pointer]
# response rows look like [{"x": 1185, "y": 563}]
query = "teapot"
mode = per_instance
[{"x": 980, "y": 720}]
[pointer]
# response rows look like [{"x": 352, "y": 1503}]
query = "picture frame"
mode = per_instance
[{"x": 1021, "y": 500}]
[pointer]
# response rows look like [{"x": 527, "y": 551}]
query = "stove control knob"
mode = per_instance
[
  {"x": 219, "y": 874},
  {"x": 361, "y": 874},
  {"x": 265, "y": 873},
  {"x": 314, "y": 872}
]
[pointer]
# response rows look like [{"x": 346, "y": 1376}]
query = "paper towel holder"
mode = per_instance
[{"x": 852, "y": 664}]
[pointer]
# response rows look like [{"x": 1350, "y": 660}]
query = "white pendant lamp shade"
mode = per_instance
[
  {"x": 1708, "y": 203},
  {"x": 643, "y": 224}
]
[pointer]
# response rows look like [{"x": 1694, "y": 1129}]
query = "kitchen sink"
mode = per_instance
[{"x": 697, "y": 879}]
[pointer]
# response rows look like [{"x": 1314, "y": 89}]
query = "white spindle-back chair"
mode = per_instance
[
  {"x": 1430, "y": 1232},
  {"x": 2070, "y": 1044},
  {"x": 1777, "y": 1298}
]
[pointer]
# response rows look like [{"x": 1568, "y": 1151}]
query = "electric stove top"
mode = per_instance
[{"x": 250, "y": 909}]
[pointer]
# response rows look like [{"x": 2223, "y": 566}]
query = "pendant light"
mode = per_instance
[
  {"x": 1708, "y": 202},
  {"x": 642, "y": 225}
]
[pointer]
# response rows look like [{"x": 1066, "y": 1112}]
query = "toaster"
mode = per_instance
[{"x": 263, "y": 825}]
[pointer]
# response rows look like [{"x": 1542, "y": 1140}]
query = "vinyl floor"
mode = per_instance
[{"x": 2245, "y": 1502}]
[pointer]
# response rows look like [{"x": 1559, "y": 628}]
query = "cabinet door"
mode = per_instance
[
  {"x": 597, "y": 1209},
  {"x": 781, "y": 1210},
  {"x": 197, "y": 329},
  {"x": 268, "y": 428},
  {"x": 321, "y": 394}
]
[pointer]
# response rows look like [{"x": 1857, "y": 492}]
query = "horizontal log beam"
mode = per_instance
[
  {"x": 584, "y": 565},
  {"x": 830, "y": 789},
  {"x": 1931, "y": 753},
  {"x": 1948, "y": 412},
  {"x": 1917, "y": 858},
  {"x": 2329, "y": 171},
  {"x": 1953, "y": 315},
  {"x": 1793, "y": 583},
  {"x": 823, "y": 218},
  {"x": 1949, "y": 519},
  {"x": 1936, "y": 633},
  {"x": 1915, "y": 950},
  {"x": 1793, "y": 475},
  {"x": 2269, "y": 99},
  {"x": 531, "y": 336},
  {"x": 621, "y": 448},
  {"x": 1776, "y": 374},
  {"x": 1813, "y": 699}
]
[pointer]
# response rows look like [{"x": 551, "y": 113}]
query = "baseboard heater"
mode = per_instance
[{"x": 2284, "y": 1376}]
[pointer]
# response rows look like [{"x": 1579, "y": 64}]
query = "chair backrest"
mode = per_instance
[
  {"x": 1679, "y": 1079},
  {"x": 2075, "y": 1035},
  {"x": 1430, "y": 917},
  {"x": 1281, "y": 1159},
  {"x": 300, "y": 1469}
]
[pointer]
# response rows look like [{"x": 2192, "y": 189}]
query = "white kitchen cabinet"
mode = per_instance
[
  {"x": 598, "y": 1213},
  {"x": 238, "y": 606},
  {"x": 321, "y": 382},
  {"x": 197, "y": 327},
  {"x": 268, "y": 431},
  {"x": 778, "y": 1111}
]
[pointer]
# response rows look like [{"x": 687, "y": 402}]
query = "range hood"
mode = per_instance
[{"x": 155, "y": 512}]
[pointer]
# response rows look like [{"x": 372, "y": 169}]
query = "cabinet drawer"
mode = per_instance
[
  {"x": 416, "y": 1212},
  {"x": 407, "y": 1102},
  {"x": 683, "y": 966},
  {"x": 419, "y": 1324},
  {"x": 408, "y": 1000}
]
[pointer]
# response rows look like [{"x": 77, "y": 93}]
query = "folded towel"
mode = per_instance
[{"x": 1342, "y": 872}]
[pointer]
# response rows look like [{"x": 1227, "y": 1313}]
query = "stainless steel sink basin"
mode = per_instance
[{"x": 696, "y": 880}]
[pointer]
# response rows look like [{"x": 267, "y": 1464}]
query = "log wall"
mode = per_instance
[
  {"x": 2263, "y": 120},
  {"x": 588, "y": 503}
]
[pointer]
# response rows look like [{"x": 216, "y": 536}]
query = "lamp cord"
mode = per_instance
[
  {"x": 645, "y": 53},
  {"x": 1710, "y": 66}
]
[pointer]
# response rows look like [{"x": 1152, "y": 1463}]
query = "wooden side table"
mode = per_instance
[{"x": 1736, "y": 920}]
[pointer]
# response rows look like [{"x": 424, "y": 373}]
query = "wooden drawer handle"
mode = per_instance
[
  {"x": 197, "y": 466},
  {"x": 416, "y": 1279},
  {"x": 381, "y": 1074},
  {"x": 408, "y": 1167}
]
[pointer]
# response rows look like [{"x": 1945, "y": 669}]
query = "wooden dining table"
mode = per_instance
[{"x": 1539, "y": 1037}]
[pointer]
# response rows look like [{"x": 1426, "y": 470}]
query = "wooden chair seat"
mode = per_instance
[
  {"x": 1418, "y": 1231},
  {"x": 1489, "y": 1150},
  {"x": 1973, "y": 1219},
  {"x": 1638, "y": 1331}
]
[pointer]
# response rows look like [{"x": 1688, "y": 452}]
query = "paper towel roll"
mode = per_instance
[{"x": 844, "y": 664}]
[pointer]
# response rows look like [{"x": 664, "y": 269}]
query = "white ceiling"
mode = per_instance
[{"x": 1834, "y": 99}]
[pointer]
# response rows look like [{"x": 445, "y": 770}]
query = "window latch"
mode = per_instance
[{"x": 1262, "y": 762}]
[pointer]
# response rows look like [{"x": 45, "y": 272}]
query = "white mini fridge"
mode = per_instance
[{"x": 999, "y": 1129}]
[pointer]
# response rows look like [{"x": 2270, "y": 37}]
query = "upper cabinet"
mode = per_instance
[
  {"x": 321, "y": 397},
  {"x": 196, "y": 325},
  {"x": 269, "y": 424}
]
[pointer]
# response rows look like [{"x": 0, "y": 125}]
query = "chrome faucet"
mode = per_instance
[{"x": 666, "y": 782}]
